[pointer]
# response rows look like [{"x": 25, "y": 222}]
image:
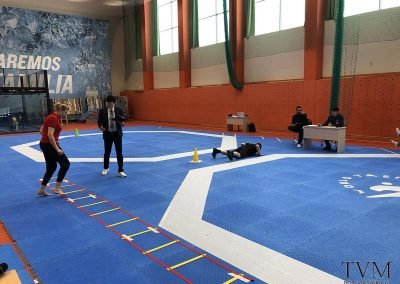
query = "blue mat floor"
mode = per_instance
[{"x": 321, "y": 211}]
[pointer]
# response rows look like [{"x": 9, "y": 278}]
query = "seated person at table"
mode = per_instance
[
  {"x": 299, "y": 119},
  {"x": 336, "y": 120},
  {"x": 394, "y": 142},
  {"x": 245, "y": 150}
]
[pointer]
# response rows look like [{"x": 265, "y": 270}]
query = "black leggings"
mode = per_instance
[{"x": 52, "y": 158}]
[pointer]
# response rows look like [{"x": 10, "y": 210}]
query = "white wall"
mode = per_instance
[
  {"x": 275, "y": 56},
  {"x": 372, "y": 43},
  {"x": 166, "y": 71},
  {"x": 134, "y": 80},
  {"x": 209, "y": 65},
  {"x": 372, "y": 46}
]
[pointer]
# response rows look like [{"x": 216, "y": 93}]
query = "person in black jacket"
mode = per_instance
[
  {"x": 110, "y": 122},
  {"x": 299, "y": 119},
  {"x": 335, "y": 120},
  {"x": 245, "y": 150}
]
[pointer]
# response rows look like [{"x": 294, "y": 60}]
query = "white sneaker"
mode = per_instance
[
  {"x": 122, "y": 174},
  {"x": 398, "y": 131},
  {"x": 395, "y": 143},
  {"x": 298, "y": 145},
  {"x": 105, "y": 172}
]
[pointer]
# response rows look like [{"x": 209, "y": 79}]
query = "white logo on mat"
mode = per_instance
[{"x": 386, "y": 186}]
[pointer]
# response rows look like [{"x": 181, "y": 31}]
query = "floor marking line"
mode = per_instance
[
  {"x": 160, "y": 247},
  {"x": 140, "y": 233},
  {"x": 103, "y": 212},
  {"x": 66, "y": 185},
  {"x": 36, "y": 155},
  {"x": 234, "y": 278},
  {"x": 79, "y": 198},
  {"x": 183, "y": 218},
  {"x": 387, "y": 150},
  {"x": 74, "y": 191},
  {"x": 122, "y": 222},
  {"x": 186, "y": 262},
  {"x": 91, "y": 204},
  {"x": 239, "y": 277},
  {"x": 160, "y": 233}
]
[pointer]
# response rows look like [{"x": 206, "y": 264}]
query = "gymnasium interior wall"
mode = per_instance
[{"x": 274, "y": 65}]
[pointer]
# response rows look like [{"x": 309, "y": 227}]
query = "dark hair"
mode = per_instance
[
  {"x": 111, "y": 98},
  {"x": 335, "y": 109},
  {"x": 299, "y": 107},
  {"x": 259, "y": 144}
]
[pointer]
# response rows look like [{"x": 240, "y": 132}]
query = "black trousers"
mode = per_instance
[
  {"x": 327, "y": 143},
  {"x": 52, "y": 158},
  {"x": 109, "y": 139},
  {"x": 297, "y": 128}
]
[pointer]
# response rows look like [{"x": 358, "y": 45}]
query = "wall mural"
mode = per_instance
[{"x": 75, "y": 50}]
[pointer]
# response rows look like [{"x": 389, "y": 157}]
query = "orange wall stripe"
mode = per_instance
[{"x": 184, "y": 44}]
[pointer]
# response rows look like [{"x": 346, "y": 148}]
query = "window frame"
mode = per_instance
[
  {"x": 215, "y": 15},
  {"x": 172, "y": 48},
  {"x": 377, "y": 2},
  {"x": 279, "y": 21}
]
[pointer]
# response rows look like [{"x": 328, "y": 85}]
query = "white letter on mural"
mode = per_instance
[
  {"x": 67, "y": 85},
  {"x": 22, "y": 61},
  {"x": 34, "y": 63},
  {"x": 46, "y": 63},
  {"x": 2, "y": 63},
  {"x": 12, "y": 60},
  {"x": 56, "y": 63},
  {"x": 9, "y": 80}
]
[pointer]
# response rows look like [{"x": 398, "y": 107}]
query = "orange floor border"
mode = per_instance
[{"x": 5, "y": 238}]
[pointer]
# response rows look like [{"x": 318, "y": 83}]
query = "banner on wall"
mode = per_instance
[{"x": 74, "y": 50}]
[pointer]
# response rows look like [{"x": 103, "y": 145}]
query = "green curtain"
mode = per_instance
[
  {"x": 337, "y": 55},
  {"x": 138, "y": 31},
  {"x": 155, "y": 35},
  {"x": 228, "y": 53},
  {"x": 330, "y": 10},
  {"x": 194, "y": 23},
  {"x": 250, "y": 18},
  {"x": 129, "y": 45}
]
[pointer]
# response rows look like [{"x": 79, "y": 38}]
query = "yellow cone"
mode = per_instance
[
  {"x": 195, "y": 157},
  {"x": 76, "y": 132}
]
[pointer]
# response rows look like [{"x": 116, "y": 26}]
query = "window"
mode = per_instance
[
  {"x": 276, "y": 15},
  {"x": 211, "y": 21},
  {"x": 355, "y": 7},
  {"x": 168, "y": 26}
]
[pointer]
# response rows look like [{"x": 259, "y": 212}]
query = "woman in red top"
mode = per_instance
[{"x": 51, "y": 149}]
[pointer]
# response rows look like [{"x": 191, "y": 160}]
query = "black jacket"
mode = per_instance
[
  {"x": 337, "y": 120},
  {"x": 103, "y": 119},
  {"x": 300, "y": 119}
]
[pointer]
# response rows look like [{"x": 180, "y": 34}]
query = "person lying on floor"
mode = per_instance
[{"x": 245, "y": 150}]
